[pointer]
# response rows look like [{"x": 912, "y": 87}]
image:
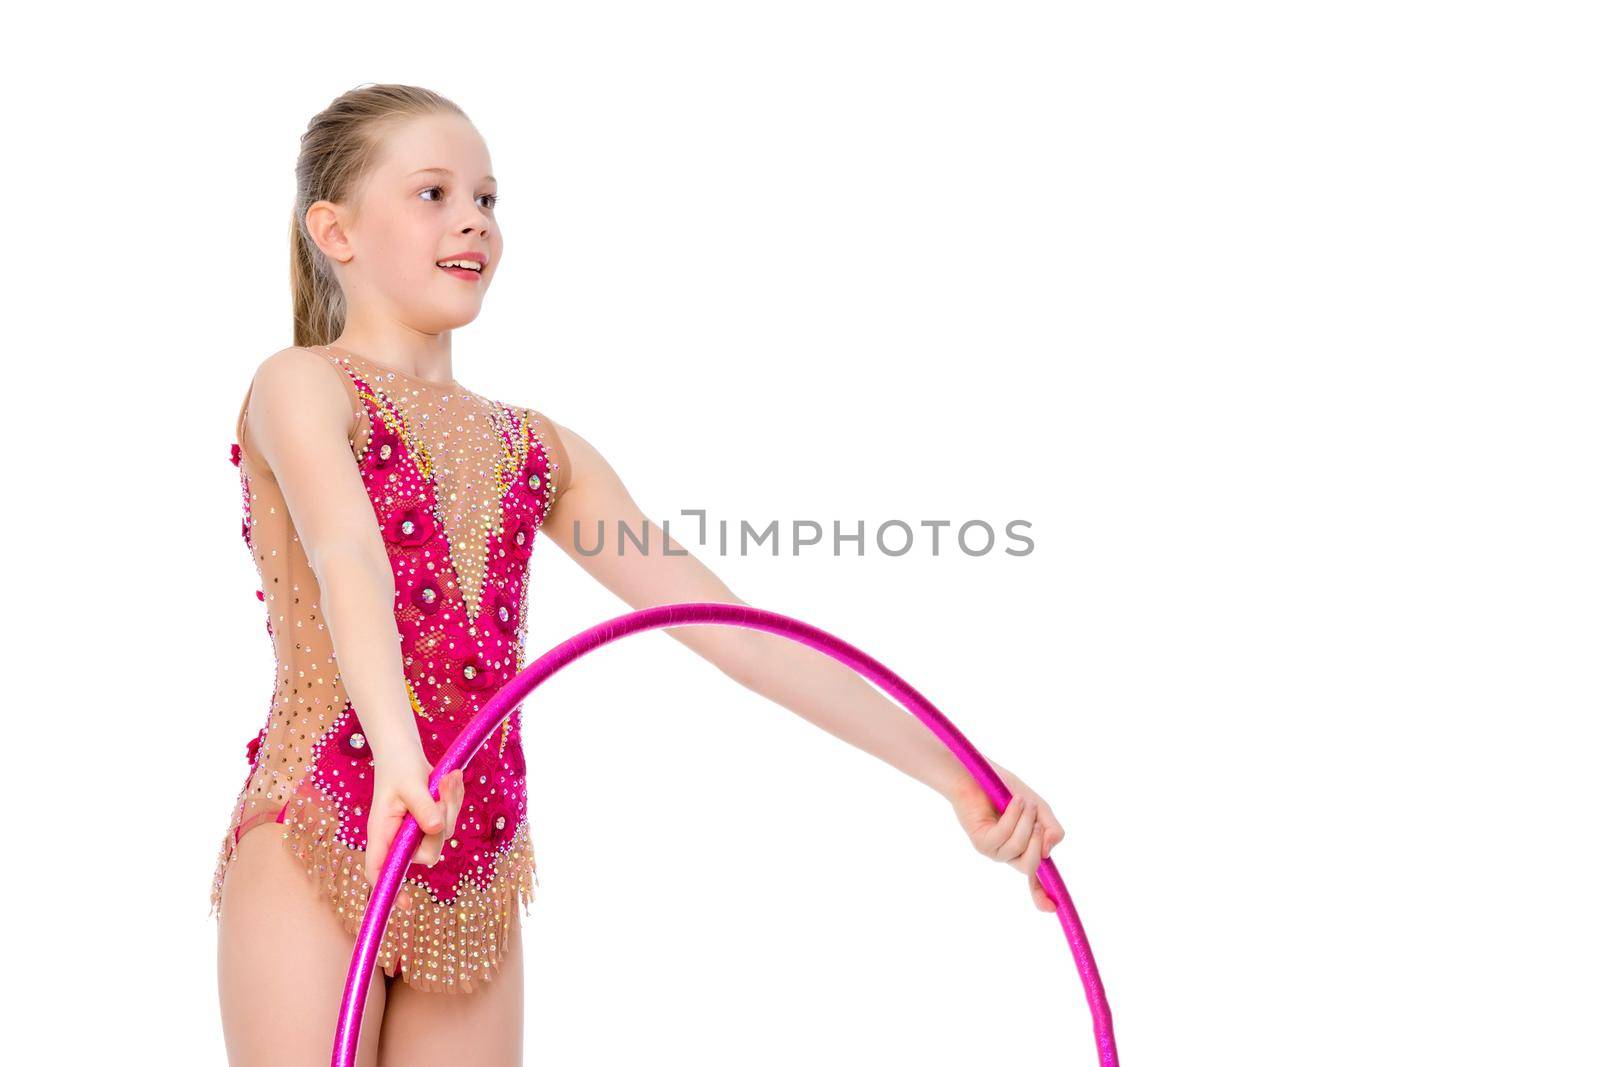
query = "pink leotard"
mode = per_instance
[{"x": 459, "y": 486}]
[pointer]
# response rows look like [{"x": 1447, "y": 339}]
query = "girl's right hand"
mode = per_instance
[{"x": 400, "y": 787}]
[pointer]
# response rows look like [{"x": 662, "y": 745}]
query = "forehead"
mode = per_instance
[{"x": 440, "y": 145}]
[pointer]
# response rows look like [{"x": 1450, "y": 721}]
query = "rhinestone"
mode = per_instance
[{"x": 445, "y": 460}]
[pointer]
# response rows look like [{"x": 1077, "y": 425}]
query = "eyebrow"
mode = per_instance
[{"x": 446, "y": 170}]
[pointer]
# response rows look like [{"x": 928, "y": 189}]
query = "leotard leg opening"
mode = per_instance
[{"x": 258, "y": 819}]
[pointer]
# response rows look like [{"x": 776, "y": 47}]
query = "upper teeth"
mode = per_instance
[{"x": 464, "y": 263}]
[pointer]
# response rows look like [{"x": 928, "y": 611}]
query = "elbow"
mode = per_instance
[{"x": 331, "y": 563}]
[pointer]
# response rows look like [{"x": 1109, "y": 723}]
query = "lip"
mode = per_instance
[{"x": 460, "y": 272}]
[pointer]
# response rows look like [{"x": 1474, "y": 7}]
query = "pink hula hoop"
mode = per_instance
[{"x": 480, "y": 727}]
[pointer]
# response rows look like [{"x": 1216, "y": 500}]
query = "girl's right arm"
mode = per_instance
[{"x": 300, "y": 421}]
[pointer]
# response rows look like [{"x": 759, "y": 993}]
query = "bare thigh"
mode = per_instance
[
  {"x": 282, "y": 957},
  {"x": 482, "y": 1028}
]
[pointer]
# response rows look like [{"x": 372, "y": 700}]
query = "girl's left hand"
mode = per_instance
[{"x": 1022, "y": 835}]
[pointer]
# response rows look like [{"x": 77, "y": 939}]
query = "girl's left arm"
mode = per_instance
[{"x": 807, "y": 682}]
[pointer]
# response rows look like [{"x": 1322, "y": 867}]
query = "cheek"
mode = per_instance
[
  {"x": 403, "y": 255},
  {"x": 496, "y": 249}
]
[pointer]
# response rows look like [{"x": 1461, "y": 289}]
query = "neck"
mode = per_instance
[{"x": 416, "y": 356}]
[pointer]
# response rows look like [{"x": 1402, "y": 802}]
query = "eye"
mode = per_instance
[{"x": 493, "y": 198}]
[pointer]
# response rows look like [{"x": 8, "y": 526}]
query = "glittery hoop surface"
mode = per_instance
[{"x": 472, "y": 736}]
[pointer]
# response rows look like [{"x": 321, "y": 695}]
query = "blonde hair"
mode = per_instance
[{"x": 337, "y": 150}]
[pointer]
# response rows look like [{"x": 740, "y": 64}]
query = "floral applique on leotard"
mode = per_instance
[{"x": 460, "y": 486}]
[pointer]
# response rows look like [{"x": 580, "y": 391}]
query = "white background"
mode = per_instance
[{"x": 1276, "y": 322}]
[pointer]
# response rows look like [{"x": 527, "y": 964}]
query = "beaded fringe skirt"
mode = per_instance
[{"x": 437, "y": 947}]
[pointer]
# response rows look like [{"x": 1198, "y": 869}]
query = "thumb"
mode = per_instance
[{"x": 429, "y": 812}]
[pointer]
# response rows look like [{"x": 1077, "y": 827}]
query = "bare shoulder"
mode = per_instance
[
  {"x": 298, "y": 386},
  {"x": 565, "y": 437},
  {"x": 295, "y": 366},
  {"x": 556, "y": 441}
]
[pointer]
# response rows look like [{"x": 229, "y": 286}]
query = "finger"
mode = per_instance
[
  {"x": 1052, "y": 827},
  {"x": 435, "y": 844},
  {"x": 430, "y": 815},
  {"x": 428, "y": 852},
  {"x": 432, "y": 845},
  {"x": 455, "y": 799},
  {"x": 428, "y": 811},
  {"x": 1017, "y": 843},
  {"x": 461, "y": 800},
  {"x": 380, "y": 831},
  {"x": 1023, "y": 834},
  {"x": 995, "y": 837},
  {"x": 452, "y": 809},
  {"x": 1028, "y": 862}
]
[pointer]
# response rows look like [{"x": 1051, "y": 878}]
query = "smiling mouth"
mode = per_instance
[{"x": 461, "y": 268}]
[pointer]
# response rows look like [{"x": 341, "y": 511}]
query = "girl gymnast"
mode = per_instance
[{"x": 391, "y": 513}]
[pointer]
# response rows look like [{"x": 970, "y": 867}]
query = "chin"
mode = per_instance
[{"x": 457, "y": 319}]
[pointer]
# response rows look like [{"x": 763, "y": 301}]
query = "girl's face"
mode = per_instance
[{"x": 430, "y": 198}]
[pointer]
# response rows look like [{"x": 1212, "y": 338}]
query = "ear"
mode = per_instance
[{"x": 323, "y": 223}]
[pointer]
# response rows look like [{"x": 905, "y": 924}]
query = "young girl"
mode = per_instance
[{"x": 391, "y": 512}]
